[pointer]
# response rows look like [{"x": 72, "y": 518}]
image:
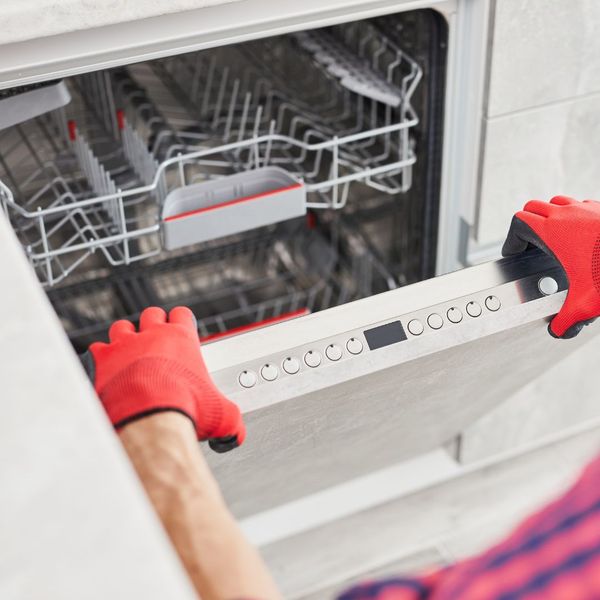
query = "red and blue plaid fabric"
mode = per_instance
[{"x": 552, "y": 555}]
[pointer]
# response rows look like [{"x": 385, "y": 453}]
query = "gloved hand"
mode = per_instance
[
  {"x": 569, "y": 231},
  {"x": 161, "y": 368}
]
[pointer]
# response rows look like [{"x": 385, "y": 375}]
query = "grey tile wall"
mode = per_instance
[
  {"x": 544, "y": 51},
  {"x": 538, "y": 153},
  {"x": 542, "y": 117}
]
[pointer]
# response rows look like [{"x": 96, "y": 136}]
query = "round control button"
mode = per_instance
[
  {"x": 548, "y": 286},
  {"x": 269, "y": 372},
  {"x": 312, "y": 358},
  {"x": 291, "y": 365},
  {"x": 473, "y": 309},
  {"x": 247, "y": 379},
  {"x": 435, "y": 321},
  {"x": 354, "y": 346},
  {"x": 492, "y": 303},
  {"x": 415, "y": 327},
  {"x": 333, "y": 352},
  {"x": 454, "y": 315}
]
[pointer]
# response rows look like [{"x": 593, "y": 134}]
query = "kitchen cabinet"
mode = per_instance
[{"x": 71, "y": 506}]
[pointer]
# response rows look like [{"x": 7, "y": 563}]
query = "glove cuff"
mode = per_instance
[{"x": 138, "y": 416}]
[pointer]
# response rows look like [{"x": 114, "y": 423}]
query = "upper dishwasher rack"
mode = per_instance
[{"x": 90, "y": 181}]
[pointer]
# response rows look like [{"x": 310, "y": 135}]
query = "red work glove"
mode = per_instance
[
  {"x": 569, "y": 231},
  {"x": 161, "y": 368}
]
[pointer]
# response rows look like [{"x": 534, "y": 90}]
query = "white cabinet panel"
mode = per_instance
[
  {"x": 73, "y": 517},
  {"x": 29, "y": 19},
  {"x": 538, "y": 154},
  {"x": 97, "y": 36},
  {"x": 543, "y": 51}
]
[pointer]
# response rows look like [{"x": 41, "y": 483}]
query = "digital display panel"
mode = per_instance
[{"x": 385, "y": 335}]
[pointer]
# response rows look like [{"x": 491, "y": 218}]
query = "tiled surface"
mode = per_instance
[
  {"x": 451, "y": 519},
  {"x": 544, "y": 51},
  {"x": 542, "y": 128},
  {"x": 74, "y": 522},
  {"x": 565, "y": 396},
  {"x": 538, "y": 154}
]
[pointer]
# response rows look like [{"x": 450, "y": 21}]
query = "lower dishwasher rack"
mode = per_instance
[{"x": 274, "y": 274}]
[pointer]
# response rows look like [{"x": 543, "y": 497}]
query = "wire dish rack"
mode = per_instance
[
  {"x": 276, "y": 273},
  {"x": 331, "y": 108}
]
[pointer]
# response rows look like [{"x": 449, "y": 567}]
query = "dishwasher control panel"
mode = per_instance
[
  {"x": 405, "y": 328},
  {"x": 414, "y": 325}
]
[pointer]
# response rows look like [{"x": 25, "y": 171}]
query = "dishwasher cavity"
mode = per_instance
[{"x": 253, "y": 182}]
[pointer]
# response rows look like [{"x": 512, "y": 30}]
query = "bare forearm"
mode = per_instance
[{"x": 219, "y": 560}]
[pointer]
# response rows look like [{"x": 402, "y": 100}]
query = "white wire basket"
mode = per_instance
[{"x": 188, "y": 120}]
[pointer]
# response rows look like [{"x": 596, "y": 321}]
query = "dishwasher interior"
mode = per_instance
[{"x": 349, "y": 116}]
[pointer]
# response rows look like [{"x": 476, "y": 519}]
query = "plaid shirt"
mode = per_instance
[{"x": 552, "y": 555}]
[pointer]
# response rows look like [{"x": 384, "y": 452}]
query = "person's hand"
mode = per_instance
[
  {"x": 569, "y": 231},
  {"x": 160, "y": 368}
]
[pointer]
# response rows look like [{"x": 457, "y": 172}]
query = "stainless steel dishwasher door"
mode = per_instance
[{"x": 383, "y": 378}]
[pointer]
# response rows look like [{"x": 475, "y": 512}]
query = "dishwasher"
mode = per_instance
[
  {"x": 287, "y": 190},
  {"x": 253, "y": 182}
]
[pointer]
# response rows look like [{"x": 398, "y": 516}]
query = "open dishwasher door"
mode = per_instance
[{"x": 334, "y": 395}]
